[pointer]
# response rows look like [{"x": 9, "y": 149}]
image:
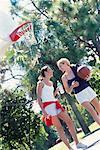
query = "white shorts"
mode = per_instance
[
  {"x": 88, "y": 94},
  {"x": 52, "y": 110}
]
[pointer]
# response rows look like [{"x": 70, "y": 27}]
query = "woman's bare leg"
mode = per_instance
[
  {"x": 96, "y": 105},
  {"x": 66, "y": 118},
  {"x": 57, "y": 124},
  {"x": 92, "y": 111}
]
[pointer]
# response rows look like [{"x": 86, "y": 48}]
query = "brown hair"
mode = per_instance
[{"x": 42, "y": 74}]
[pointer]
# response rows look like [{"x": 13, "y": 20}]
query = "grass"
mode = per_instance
[{"x": 62, "y": 146}]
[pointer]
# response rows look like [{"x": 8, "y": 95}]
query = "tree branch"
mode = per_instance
[
  {"x": 89, "y": 45},
  {"x": 39, "y": 9},
  {"x": 13, "y": 77}
]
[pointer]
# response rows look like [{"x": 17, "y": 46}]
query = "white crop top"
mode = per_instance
[{"x": 47, "y": 93}]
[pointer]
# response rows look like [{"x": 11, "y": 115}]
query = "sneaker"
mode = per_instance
[{"x": 80, "y": 145}]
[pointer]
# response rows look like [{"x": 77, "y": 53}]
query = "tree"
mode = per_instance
[
  {"x": 20, "y": 127},
  {"x": 61, "y": 35}
]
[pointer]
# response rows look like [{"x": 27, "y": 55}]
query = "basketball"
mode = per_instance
[{"x": 83, "y": 72}]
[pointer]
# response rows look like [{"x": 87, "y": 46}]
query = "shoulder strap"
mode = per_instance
[
  {"x": 74, "y": 68},
  {"x": 65, "y": 77},
  {"x": 43, "y": 82}
]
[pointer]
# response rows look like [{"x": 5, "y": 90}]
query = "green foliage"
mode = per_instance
[
  {"x": 95, "y": 80},
  {"x": 52, "y": 135},
  {"x": 87, "y": 117},
  {"x": 72, "y": 26},
  {"x": 20, "y": 127},
  {"x": 10, "y": 56},
  {"x": 45, "y": 4}
]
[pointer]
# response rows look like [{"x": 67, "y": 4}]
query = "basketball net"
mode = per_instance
[
  {"x": 29, "y": 37},
  {"x": 25, "y": 30}
]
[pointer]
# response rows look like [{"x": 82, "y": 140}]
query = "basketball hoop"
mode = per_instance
[{"x": 25, "y": 30}]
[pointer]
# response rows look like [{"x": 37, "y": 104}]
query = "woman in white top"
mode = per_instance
[{"x": 52, "y": 108}]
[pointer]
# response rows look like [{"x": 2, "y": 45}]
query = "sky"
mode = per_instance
[{"x": 5, "y": 5}]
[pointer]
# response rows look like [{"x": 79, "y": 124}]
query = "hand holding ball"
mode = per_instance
[{"x": 83, "y": 72}]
